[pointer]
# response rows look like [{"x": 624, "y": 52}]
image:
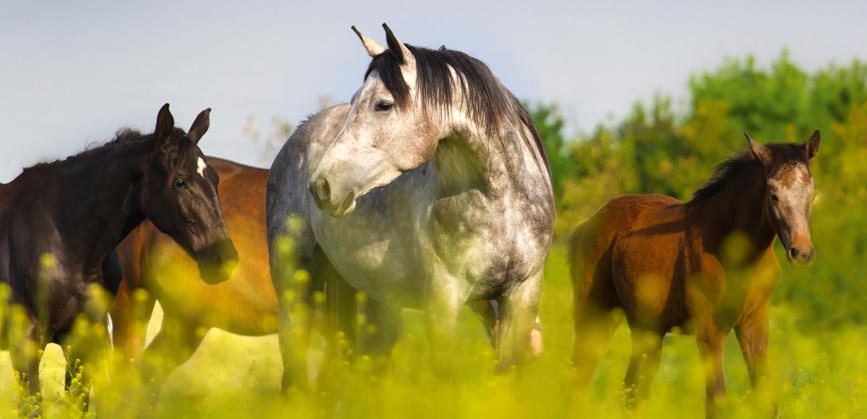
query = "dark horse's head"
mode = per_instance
[
  {"x": 789, "y": 193},
  {"x": 179, "y": 196}
]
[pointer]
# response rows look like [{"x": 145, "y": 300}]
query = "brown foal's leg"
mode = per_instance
[
  {"x": 646, "y": 352},
  {"x": 752, "y": 335},
  {"x": 710, "y": 348}
]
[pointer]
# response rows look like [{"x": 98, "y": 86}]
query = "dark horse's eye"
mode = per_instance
[
  {"x": 383, "y": 106},
  {"x": 180, "y": 183}
]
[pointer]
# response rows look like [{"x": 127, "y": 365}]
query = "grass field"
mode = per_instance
[{"x": 815, "y": 373}]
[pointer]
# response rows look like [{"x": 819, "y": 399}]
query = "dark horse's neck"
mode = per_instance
[
  {"x": 737, "y": 207},
  {"x": 100, "y": 193}
]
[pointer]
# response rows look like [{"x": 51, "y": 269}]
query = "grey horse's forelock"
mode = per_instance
[{"x": 489, "y": 104}]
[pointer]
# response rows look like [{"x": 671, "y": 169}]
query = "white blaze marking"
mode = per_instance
[{"x": 200, "y": 167}]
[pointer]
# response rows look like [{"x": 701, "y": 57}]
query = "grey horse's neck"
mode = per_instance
[{"x": 496, "y": 165}]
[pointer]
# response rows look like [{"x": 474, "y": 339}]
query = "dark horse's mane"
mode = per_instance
[
  {"x": 122, "y": 137},
  {"x": 488, "y": 102},
  {"x": 725, "y": 172}
]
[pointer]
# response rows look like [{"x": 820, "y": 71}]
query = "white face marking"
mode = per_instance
[{"x": 200, "y": 167}]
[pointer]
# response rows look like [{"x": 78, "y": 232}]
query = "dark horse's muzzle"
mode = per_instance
[{"x": 217, "y": 261}]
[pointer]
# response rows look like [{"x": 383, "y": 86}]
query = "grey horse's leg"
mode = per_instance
[
  {"x": 442, "y": 306},
  {"x": 291, "y": 247},
  {"x": 489, "y": 314},
  {"x": 347, "y": 336},
  {"x": 519, "y": 308}
]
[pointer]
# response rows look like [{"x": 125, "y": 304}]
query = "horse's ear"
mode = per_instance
[
  {"x": 398, "y": 48},
  {"x": 812, "y": 145},
  {"x": 373, "y": 48},
  {"x": 200, "y": 126},
  {"x": 166, "y": 148},
  {"x": 165, "y": 124},
  {"x": 760, "y": 151}
]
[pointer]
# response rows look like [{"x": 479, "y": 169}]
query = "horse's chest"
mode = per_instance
[
  {"x": 373, "y": 255},
  {"x": 395, "y": 254}
]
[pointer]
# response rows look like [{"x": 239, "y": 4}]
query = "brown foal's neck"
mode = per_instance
[{"x": 739, "y": 206}]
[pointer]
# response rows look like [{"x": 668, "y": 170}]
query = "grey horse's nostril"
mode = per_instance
[
  {"x": 320, "y": 190},
  {"x": 323, "y": 189}
]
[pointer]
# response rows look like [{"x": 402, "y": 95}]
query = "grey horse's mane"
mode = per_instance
[{"x": 489, "y": 103}]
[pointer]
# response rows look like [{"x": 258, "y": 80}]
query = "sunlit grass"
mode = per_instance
[{"x": 815, "y": 373}]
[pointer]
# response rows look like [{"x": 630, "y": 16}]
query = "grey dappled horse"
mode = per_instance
[{"x": 430, "y": 189}]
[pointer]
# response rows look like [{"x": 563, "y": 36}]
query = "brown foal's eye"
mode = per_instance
[{"x": 180, "y": 183}]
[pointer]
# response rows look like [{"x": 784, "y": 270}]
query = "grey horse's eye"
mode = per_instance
[{"x": 383, "y": 106}]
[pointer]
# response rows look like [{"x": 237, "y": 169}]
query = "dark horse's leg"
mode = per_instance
[
  {"x": 25, "y": 345},
  {"x": 84, "y": 353},
  {"x": 752, "y": 335}
]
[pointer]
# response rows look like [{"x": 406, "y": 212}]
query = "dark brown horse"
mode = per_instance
[
  {"x": 60, "y": 223},
  {"x": 706, "y": 265}
]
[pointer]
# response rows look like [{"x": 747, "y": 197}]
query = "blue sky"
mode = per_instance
[{"x": 73, "y": 72}]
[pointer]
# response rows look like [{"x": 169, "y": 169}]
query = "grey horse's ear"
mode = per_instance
[
  {"x": 760, "y": 151},
  {"x": 397, "y": 48},
  {"x": 812, "y": 145},
  {"x": 373, "y": 48}
]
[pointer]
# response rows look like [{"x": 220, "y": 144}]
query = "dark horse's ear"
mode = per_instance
[
  {"x": 200, "y": 126},
  {"x": 166, "y": 148},
  {"x": 396, "y": 47},
  {"x": 812, "y": 145},
  {"x": 165, "y": 124},
  {"x": 760, "y": 151}
]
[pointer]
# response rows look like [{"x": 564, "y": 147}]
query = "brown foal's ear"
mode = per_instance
[
  {"x": 760, "y": 151},
  {"x": 200, "y": 126},
  {"x": 812, "y": 145}
]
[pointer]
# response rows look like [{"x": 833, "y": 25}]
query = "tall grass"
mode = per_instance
[{"x": 815, "y": 373}]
